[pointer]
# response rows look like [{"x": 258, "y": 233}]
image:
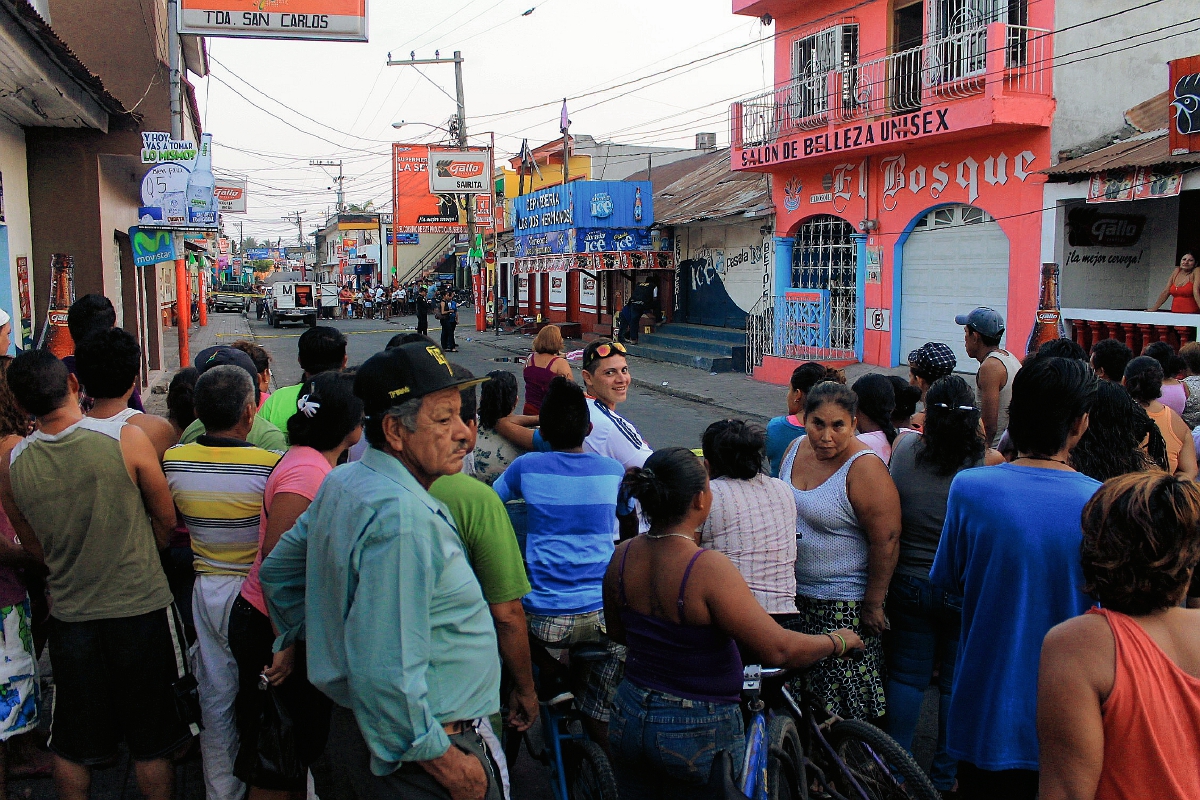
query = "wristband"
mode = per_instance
[
  {"x": 843, "y": 641},
  {"x": 835, "y": 645}
]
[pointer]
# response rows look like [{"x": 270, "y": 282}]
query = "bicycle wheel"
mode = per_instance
[
  {"x": 882, "y": 768},
  {"x": 785, "y": 764},
  {"x": 593, "y": 778}
]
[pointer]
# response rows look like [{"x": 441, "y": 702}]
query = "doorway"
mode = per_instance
[{"x": 907, "y": 34}]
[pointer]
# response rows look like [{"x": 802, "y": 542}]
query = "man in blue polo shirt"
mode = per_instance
[{"x": 571, "y": 501}]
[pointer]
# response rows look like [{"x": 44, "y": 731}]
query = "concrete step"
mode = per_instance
[
  {"x": 687, "y": 358},
  {"x": 676, "y": 342},
  {"x": 731, "y": 336}
]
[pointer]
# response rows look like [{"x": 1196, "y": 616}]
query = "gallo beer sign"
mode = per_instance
[
  {"x": 329, "y": 20},
  {"x": 460, "y": 172},
  {"x": 231, "y": 195}
]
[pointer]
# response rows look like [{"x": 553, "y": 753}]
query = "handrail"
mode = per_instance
[
  {"x": 426, "y": 260},
  {"x": 1013, "y": 58}
]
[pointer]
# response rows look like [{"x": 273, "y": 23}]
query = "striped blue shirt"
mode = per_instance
[{"x": 572, "y": 520}]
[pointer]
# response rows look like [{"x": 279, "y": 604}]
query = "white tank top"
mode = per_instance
[{"x": 1013, "y": 365}]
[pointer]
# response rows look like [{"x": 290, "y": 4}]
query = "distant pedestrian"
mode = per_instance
[
  {"x": 983, "y": 329},
  {"x": 447, "y": 314},
  {"x": 643, "y": 298},
  {"x": 1018, "y": 574},
  {"x": 543, "y": 364},
  {"x": 1119, "y": 687},
  {"x": 421, "y": 308}
]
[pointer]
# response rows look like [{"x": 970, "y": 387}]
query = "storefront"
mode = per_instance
[
  {"x": 1118, "y": 222},
  {"x": 581, "y": 247}
]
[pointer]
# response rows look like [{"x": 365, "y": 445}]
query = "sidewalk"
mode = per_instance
[
  {"x": 221, "y": 329},
  {"x": 734, "y": 391}
]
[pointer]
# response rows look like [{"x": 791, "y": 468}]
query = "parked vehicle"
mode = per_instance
[
  {"x": 292, "y": 301},
  {"x": 233, "y": 297}
]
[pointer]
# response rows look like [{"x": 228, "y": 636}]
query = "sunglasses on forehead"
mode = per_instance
[{"x": 606, "y": 350}]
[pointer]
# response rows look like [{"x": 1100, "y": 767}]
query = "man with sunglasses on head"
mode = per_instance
[{"x": 606, "y": 378}]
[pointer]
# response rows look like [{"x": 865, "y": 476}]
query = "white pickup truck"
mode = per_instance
[{"x": 292, "y": 301}]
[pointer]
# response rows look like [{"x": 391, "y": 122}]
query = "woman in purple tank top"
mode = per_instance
[{"x": 682, "y": 612}]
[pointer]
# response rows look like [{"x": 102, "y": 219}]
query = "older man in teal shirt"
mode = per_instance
[{"x": 375, "y": 579}]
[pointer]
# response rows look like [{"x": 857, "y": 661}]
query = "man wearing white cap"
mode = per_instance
[{"x": 5, "y": 332}]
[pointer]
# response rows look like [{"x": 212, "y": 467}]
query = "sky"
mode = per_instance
[{"x": 272, "y": 106}]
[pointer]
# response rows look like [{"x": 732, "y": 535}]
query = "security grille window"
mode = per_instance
[
  {"x": 813, "y": 58},
  {"x": 824, "y": 258},
  {"x": 961, "y": 28}
]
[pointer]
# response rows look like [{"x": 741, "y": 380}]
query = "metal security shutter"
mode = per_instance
[{"x": 955, "y": 259}]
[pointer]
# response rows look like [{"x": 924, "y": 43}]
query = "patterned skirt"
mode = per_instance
[{"x": 850, "y": 689}]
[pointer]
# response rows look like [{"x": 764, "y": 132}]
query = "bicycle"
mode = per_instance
[
  {"x": 794, "y": 747},
  {"x": 580, "y": 765}
]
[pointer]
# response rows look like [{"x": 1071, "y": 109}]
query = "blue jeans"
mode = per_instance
[
  {"x": 663, "y": 746},
  {"x": 925, "y": 627}
]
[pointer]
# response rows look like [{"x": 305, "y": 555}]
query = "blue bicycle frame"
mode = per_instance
[{"x": 754, "y": 766}]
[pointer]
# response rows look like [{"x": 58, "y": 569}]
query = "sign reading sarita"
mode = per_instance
[{"x": 851, "y": 137}]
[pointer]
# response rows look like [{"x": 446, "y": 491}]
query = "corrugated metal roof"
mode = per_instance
[
  {"x": 705, "y": 187},
  {"x": 1147, "y": 150}
]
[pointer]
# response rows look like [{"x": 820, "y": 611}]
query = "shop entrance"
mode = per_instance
[
  {"x": 955, "y": 259},
  {"x": 825, "y": 258}
]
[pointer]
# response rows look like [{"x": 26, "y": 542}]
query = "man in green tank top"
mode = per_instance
[{"x": 89, "y": 497}]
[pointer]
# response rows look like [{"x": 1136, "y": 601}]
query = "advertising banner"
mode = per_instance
[
  {"x": 460, "y": 172},
  {"x": 417, "y": 208},
  {"x": 1134, "y": 183},
  {"x": 231, "y": 195},
  {"x": 328, "y": 20},
  {"x": 257, "y": 254},
  {"x": 25, "y": 297},
  {"x": 594, "y": 240},
  {"x": 585, "y": 204},
  {"x": 178, "y": 191},
  {"x": 151, "y": 247},
  {"x": 1183, "y": 132}
]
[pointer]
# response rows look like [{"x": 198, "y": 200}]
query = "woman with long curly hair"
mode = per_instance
[
  {"x": 1112, "y": 444},
  {"x": 926, "y": 619},
  {"x": 1119, "y": 687}
]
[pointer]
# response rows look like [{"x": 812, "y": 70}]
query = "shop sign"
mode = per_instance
[
  {"x": 602, "y": 205},
  {"x": 327, "y": 20},
  {"x": 1089, "y": 227},
  {"x": 223, "y": 244},
  {"x": 821, "y": 197},
  {"x": 460, "y": 172},
  {"x": 403, "y": 238},
  {"x": 231, "y": 195},
  {"x": 1135, "y": 183},
  {"x": 257, "y": 254},
  {"x": 158, "y": 148},
  {"x": 599, "y": 240},
  {"x": 151, "y": 247},
  {"x": 418, "y": 209},
  {"x": 850, "y": 137},
  {"x": 1184, "y": 132},
  {"x": 621, "y": 204}
]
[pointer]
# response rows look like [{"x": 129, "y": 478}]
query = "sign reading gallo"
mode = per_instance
[
  {"x": 460, "y": 172},
  {"x": 329, "y": 20},
  {"x": 231, "y": 195},
  {"x": 1089, "y": 227}
]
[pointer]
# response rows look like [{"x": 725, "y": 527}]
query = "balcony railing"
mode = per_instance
[{"x": 956, "y": 66}]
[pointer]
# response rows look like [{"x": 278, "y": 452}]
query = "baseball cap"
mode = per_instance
[
  {"x": 4, "y": 318},
  {"x": 932, "y": 359},
  {"x": 404, "y": 373},
  {"x": 222, "y": 355},
  {"x": 601, "y": 349},
  {"x": 986, "y": 321}
]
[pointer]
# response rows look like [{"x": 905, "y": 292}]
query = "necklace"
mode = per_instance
[
  {"x": 1041, "y": 458},
  {"x": 665, "y": 535}
]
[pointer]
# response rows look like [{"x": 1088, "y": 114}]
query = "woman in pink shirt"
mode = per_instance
[{"x": 327, "y": 422}]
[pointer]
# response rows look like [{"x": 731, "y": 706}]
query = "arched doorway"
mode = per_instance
[
  {"x": 824, "y": 258},
  {"x": 955, "y": 259}
]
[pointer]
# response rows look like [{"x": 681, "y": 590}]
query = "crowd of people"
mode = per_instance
[{"x": 359, "y": 558}]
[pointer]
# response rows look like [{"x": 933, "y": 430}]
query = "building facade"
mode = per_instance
[{"x": 905, "y": 142}]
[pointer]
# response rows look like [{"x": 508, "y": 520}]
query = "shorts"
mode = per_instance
[
  {"x": 20, "y": 692},
  {"x": 560, "y": 632},
  {"x": 114, "y": 679},
  {"x": 251, "y": 639}
]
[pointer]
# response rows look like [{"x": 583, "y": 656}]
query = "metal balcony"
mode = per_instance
[{"x": 1013, "y": 59}]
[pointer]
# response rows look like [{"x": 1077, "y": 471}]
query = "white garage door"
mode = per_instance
[{"x": 954, "y": 260}]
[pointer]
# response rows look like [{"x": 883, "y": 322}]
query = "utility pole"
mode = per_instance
[
  {"x": 341, "y": 194},
  {"x": 457, "y": 61},
  {"x": 183, "y": 300},
  {"x": 297, "y": 218}
]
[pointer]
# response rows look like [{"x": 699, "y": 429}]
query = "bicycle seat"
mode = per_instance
[
  {"x": 721, "y": 784},
  {"x": 589, "y": 652}
]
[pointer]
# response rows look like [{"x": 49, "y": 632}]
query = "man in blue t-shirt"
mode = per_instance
[
  {"x": 1010, "y": 547},
  {"x": 571, "y": 502}
]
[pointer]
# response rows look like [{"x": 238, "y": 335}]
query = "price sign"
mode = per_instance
[{"x": 163, "y": 180}]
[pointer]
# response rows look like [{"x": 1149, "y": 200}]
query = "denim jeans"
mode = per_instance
[
  {"x": 663, "y": 746},
  {"x": 925, "y": 628}
]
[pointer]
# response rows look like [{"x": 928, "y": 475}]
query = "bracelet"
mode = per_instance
[
  {"x": 835, "y": 645},
  {"x": 843, "y": 641}
]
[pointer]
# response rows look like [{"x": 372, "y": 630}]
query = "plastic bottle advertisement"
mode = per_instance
[{"x": 178, "y": 191}]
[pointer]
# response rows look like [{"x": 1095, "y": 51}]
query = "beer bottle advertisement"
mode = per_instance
[
  {"x": 55, "y": 336},
  {"x": 1047, "y": 323}
]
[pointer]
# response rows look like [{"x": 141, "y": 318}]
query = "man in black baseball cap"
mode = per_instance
[
  {"x": 399, "y": 635},
  {"x": 262, "y": 434}
]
